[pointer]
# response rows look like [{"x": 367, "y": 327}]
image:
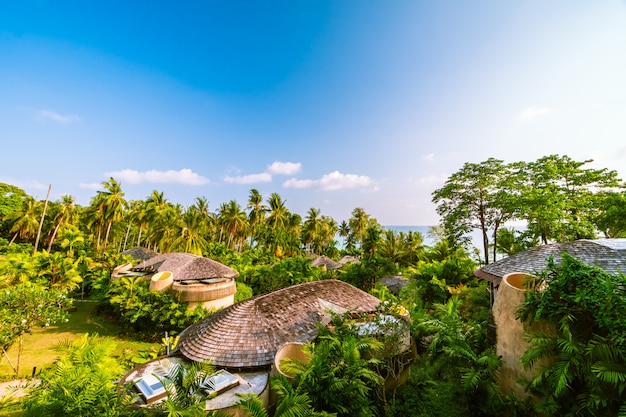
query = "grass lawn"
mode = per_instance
[{"x": 39, "y": 347}]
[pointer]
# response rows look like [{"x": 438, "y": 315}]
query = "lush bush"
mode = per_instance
[
  {"x": 80, "y": 383},
  {"x": 145, "y": 312},
  {"x": 585, "y": 352},
  {"x": 434, "y": 282},
  {"x": 286, "y": 272}
]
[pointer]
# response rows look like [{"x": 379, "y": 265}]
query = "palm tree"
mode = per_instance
[
  {"x": 311, "y": 228},
  {"x": 107, "y": 208},
  {"x": 257, "y": 212},
  {"x": 70, "y": 237},
  {"x": 158, "y": 212},
  {"x": 327, "y": 243},
  {"x": 26, "y": 221},
  {"x": 184, "y": 384},
  {"x": 339, "y": 375},
  {"x": 278, "y": 216},
  {"x": 233, "y": 222},
  {"x": 291, "y": 402},
  {"x": 359, "y": 222},
  {"x": 114, "y": 204},
  {"x": 16, "y": 268},
  {"x": 191, "y": 231},
  {"x": 66, "y": 215}
]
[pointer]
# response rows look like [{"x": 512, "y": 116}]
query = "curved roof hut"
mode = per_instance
[
  {"x": 349, "y": 260},
  {"x": 140, "y": 254},
  {"x": 248, "y": 334},
  {"x": 186, "y": 266},
  {"x": 608, "y": 254},
  {"x": 324, "y": 261}
]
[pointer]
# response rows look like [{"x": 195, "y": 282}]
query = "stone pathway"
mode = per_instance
[{"x": 17, "y": 388}]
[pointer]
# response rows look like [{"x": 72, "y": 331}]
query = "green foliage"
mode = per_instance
[
  {"x": 339, "y": 376},
  {"x": 511, "y": 241},
  {"x": 289, "y": 271},
  {"x": 26, "y": 306},
  {"x": 611, "y": 220},
  {"x": 475, "y": 197},
  {"x": 365, "y": 274},
  {"x": 186, "y": 395},
  {"x": 80, "y": 383},
  {"x": 243, "y": 292},
  {"x": 455, "y": 361},
  {"x": 291, "y": 402},
  {"x": 431, "y": 282},
  {"x": 556, "y": 196},
  {"x": 145, "y": 312},
  {"x": 583, "y": 357}
]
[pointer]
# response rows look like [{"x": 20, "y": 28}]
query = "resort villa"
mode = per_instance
[
  {"x": 508, "y": 279},
  {"x": 243, "y": 341}
]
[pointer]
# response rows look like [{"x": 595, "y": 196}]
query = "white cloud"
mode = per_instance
[
  {"x": 533, "y": 112},
  {"x": 331, "y": 182},
  {"x": 429, "y": 157},
  {"x": 249, "y": 179},
  {"x": 294, "y": 183},
  {"x": 183, "y": 176},
  {"x": 284, "y": 168},
  {"x": 58, "y": 117}
]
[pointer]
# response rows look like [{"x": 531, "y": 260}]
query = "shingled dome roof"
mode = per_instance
[
  {"x": 185, "y": 266},
  {"x": 141, "y": 254},
  {"x": 608, "y": 254},
  {"x": 249, "y": 333}
]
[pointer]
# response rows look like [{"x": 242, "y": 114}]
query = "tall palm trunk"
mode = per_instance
[
  {"x": 43, "y": 215},
  {"x": 54, "y": 235}
]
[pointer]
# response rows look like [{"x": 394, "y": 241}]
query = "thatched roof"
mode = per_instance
[
  {"x": 395, "y": 283},
  {"x": 608, "y": 254},
  {"x": 140, "y": 254},
  {"x": 185, "y": 266},
  {"x": 324, "y": 261},
  {"x": 249, "y": 333},
  {"x": 349, "y": 260}
]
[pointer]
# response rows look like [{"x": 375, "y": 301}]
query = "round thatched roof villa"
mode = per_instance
[
  {"x": 242, "y": 340},
  {"x": 249, "y": 333},
  {"x": 196, "y": 280}
]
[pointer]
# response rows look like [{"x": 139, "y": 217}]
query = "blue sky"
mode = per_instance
[{"x": 331, "y": 104}]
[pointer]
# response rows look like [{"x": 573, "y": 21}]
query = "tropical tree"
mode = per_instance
[
  {"x": 474, "y": 198},
  {"x": 278, "y": 216},
  {"x": 186, "y": 390},
  {"x": 158, "y": 214},
  {"x": 345, "y": 232},
  {"x": 65, "y": 215},
  {"x": 611, "y": 219},
  {"x": 17, "y": 268},
  {"x": 558, "y": 197},
  {"x": 339, "y": 376},
  {"x": 24, "y": 307},
  {"x": 232, "y": 222},
  {"x": 191, "y": 232},
  {"x": 359, "y": 222},
  {"x": 113, "y": 204},
  {"x": 311, "y": 229},
  {"x": 256, "y": 214},
  {"x": 457, "y": 354},
  {"x": 26, "y": 221}
]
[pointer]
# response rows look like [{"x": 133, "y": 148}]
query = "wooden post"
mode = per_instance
[{"x": 43, "y": 214}]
